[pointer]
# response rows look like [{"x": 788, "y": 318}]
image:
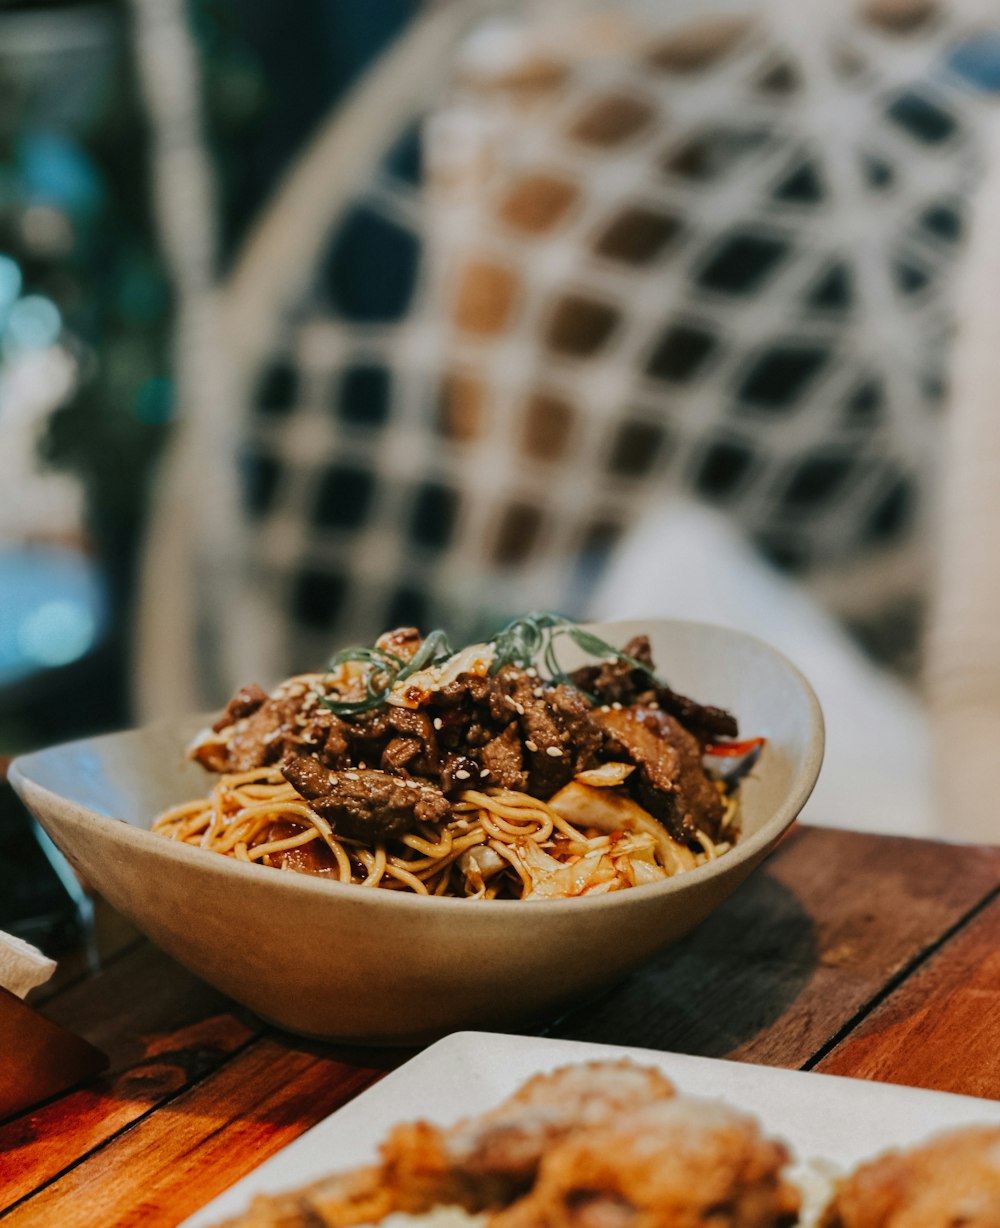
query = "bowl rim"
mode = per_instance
[{"x": 802, "y": 785}]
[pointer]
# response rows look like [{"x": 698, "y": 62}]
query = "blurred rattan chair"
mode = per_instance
[{"x": 608, "y": 251}]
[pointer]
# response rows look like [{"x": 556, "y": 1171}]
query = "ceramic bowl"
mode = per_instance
[{"x": 338, "y": 961}]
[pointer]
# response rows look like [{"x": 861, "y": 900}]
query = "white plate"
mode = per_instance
[{"x": 840, "y": 1120}]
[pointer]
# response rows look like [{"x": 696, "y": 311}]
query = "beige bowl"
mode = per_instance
[{"x": 339, "y": 961}]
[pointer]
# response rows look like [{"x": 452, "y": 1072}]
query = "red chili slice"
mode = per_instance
[{"x": 731, "y": 749}]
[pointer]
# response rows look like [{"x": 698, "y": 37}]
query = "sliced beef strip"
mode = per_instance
[
  {"x": 366, "y": 805},
  {"x": 335, "y": 749},
  {"x": 461, "y": 716},
  {"x": 502, "y": 757},
  {"x": 370, "y": 726},
  {"x": 547, "y": 754},
  {"x": 704, "y": 721},
  {"x": 410, "y": 722},
  {"x": 399, "y": 754},
  {"x": 556, "y": 726},
  {"x": 459, "y": 713},
  {"x": 670, "y": 781},
  {"x": 246, "y": 700},
  {"x": 287, "y": 722},
  {"x": 458, "y": 773},
  {"x": 417, "y": 729},
  {"x": 367, "y": 736},
  {"x": 464, "y": 688},
  {"x": 576, "y": 715},
  {"x": 476, "y": 735},
  {"x": 618, "y": 682}
]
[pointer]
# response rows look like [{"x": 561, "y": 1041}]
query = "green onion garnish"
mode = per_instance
[{"x": 521, "y": 642}]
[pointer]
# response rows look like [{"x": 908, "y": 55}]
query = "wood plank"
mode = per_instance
[
  {"x": 162, "y": 1029},
  {"x": 808, "y": 941},
  {"x": 197, "y": 1097},
  {"x": 193, "y": 1148},
  {"x": 941, "y": 1028}
]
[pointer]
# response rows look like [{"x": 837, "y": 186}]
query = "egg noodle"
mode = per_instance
[{"x": 500, "y": 843}]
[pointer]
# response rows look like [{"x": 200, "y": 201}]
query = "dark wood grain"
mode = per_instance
[
  {"x": 798, "y": 952},
  {"x": 870, "y": 955},
  {"x": 180, "y": 1157},
  {"x": 941, "y": 1028},
  {"x": 162, "y": 1029}
]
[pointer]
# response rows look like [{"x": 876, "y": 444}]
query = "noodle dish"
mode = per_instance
[
  {"x": 490, "y": 772},
  {"x": 417, "y": 839}
]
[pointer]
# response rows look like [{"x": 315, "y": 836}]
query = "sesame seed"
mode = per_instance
[
  {"x": 461, "y": 774},
  {"x": 531, "y": 672},
  {"x": 554, "y": 751},
  {"x": 520, "y": 709},
  {"x": 617, "y": 706},
  {"x": 538, "y": 692},
  {"x": 484, "y": 773},
  {"x": 352, "y": 776},
  {"x": 531, "y": 745},
  {"x": 412, "y": 784},
  {"x": 362, "y": 766},
  {"x": 438, "y": 723},
  {"x": 605, "y": 708},
  {"x": 653, "y": 704}
]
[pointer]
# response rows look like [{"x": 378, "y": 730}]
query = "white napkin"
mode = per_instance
[{"x": 22, "y": 966}]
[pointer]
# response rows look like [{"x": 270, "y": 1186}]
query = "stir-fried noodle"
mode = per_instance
[{"x": 499, "y": 843}]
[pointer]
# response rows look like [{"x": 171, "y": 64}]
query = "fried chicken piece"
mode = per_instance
[
  {"x": 360, "y": 1190},
  {"x": 680, "y": 1163},
  {"x": 480, "y": 1163},
  {"x": 488, "y": 1161},
  {"x": 510, "y": 1140},
  {"x": 952, "y": 1181}
]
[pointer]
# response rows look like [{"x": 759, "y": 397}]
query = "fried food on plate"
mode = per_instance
[
  {"x": 596, "y": 1145},
  {"x": 680, "y": 1163},
  {"x": 951, "y": 1181},
  {"x": 488, "y": 1161}
]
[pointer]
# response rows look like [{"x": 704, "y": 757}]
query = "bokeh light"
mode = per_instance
[
  {"x": 57, "y": 632},
  {"x": 33, "y": 322},
  {"x": 10, "y": 285}
]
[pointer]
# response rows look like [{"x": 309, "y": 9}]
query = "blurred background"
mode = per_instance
[{"x": 323, "y": 318}]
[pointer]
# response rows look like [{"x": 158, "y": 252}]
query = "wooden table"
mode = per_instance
[{"x": 852, "y": 954}]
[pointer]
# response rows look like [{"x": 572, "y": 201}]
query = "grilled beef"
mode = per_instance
[
  {"x": 618, "y": 682},
  {"x": 254, "y": 732},
  {"x": 512, "y": 730},
  {"x": 670, "y": 781},
  {"x": 366, "y": 805}
]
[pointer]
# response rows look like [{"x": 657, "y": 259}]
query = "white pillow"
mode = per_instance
[{"x": 683, "y": 561}]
